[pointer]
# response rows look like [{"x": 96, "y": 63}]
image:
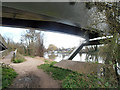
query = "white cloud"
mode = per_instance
[
  {"x": 61, "y": 40},
  {"x": 13, "y": 33}
]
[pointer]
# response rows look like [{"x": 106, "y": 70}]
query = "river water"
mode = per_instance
[{"x": 83, "y": 57}]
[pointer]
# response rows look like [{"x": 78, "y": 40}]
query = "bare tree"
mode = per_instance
[{"x": 33, "y": 43}]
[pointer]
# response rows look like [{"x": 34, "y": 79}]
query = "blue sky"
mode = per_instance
[{"x": 58, "y": 39}]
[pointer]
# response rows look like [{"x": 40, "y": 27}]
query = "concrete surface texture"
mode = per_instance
[{"x": 81, "y": 67}]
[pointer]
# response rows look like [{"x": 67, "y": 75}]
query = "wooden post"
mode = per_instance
[
  {"x": 15, "y": 52},
  {"x": 14, "y": 55}
]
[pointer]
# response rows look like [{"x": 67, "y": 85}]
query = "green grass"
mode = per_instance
[
  {"x": 18, "y": 59},
  {"x": 57, "y": 73},
  {"x": 47, "y": 62},
  {"x": 32, "y": 56},
  {"x": 77, "y": 80},
  {"x": 8, "y": 74},
  {"x": 71, "y": 79},
  {"x": 50, "y": 62}
]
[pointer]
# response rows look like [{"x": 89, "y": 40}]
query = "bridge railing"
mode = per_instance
[
  {"x": 3, "y": 53},
  {"x": 3, "y": 41}
]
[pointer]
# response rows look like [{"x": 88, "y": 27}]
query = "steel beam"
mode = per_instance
[
  {"x": 84, "y": 43},
  {"x": 49, "y": 26},
  {"x": 76, "y": 51}
]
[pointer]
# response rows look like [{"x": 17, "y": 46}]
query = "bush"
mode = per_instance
[
  {"x": 18, "y": 59},
  {"x": 8, "y": 74}
]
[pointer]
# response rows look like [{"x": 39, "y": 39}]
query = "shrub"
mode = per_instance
[{"x": 18, "y": 59}]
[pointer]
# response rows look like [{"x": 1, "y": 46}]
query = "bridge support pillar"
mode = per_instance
[{"x": 76, "y": 51}]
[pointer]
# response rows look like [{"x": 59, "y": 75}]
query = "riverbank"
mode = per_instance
[{"x": 72, "y": 79}]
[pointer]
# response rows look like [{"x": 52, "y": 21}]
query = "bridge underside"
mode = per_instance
[
  {"x": 49, "y": 26},
  {"x": 58, "y": 17}
]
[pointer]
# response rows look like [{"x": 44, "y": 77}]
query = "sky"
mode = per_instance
[{"x": 58, "y": 39}]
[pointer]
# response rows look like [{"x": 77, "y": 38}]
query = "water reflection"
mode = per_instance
[
  {"x": 88, "y": 58},
  {"x": 84, "y": 57}
]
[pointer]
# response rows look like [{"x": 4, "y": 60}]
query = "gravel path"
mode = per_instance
[
  {"x": 30, "y": 76},
  {"x": 7, "y": 59}
]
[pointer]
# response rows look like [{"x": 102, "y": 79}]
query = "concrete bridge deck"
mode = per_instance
[{"x": 55, "y": 16}]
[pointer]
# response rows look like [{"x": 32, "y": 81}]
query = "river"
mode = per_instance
[{"x": 83, "y": 57}]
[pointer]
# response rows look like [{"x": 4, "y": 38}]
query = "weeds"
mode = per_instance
[
  {"x": 56, "y": 72},
  {"x": 18, "y": 61},
  {"x": 8, "y": 74},
  {"x": 50, "y": 62},
  {"x": 71, "y": 79}
]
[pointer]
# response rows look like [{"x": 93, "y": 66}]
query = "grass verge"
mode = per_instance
[
  {"x": 57, "y": 73},
  {"x": 71, "y": 79},
  {"x": 8, "y": 74}
]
